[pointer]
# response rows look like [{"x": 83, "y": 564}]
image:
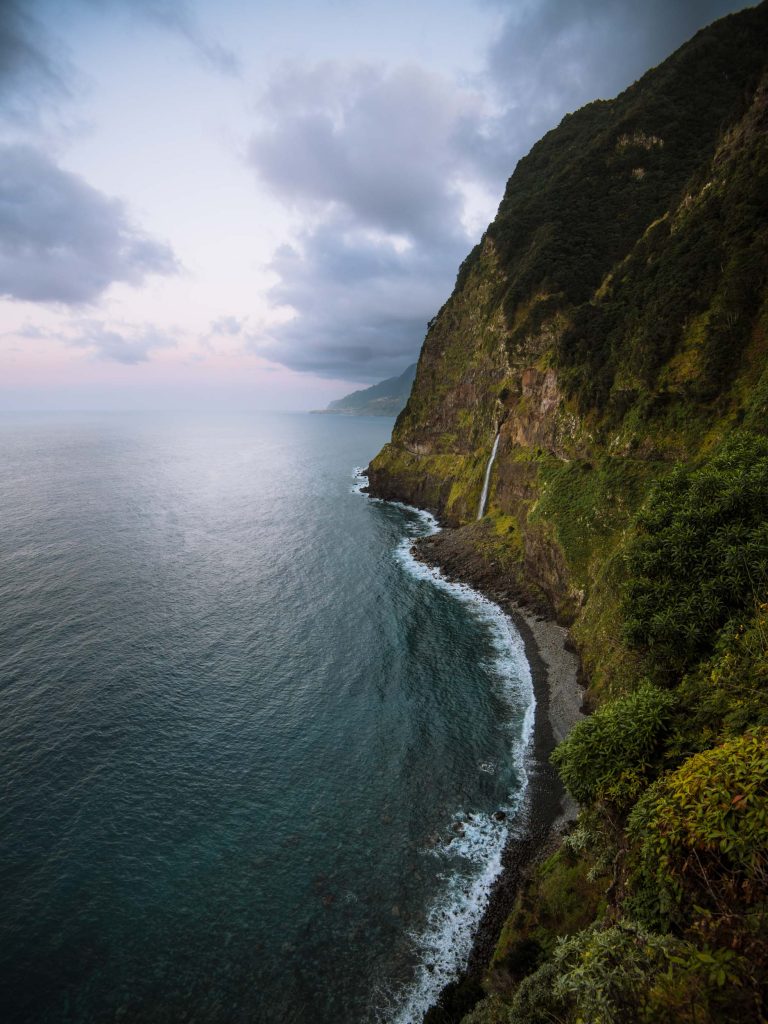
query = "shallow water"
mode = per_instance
[{"x": 238, "y": 728}]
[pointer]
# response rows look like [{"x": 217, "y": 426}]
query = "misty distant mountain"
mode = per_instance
[{"x": 386, "y": 398}]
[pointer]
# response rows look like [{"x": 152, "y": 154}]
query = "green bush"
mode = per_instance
[
  {"x": 607, "y": 756},
  {"x": 728, "y": 693},
  {"x": 704, "y": 986},
  {"x": 488, "y": 1011},
  {"x": 608, "y": 974},
  {"x": 629, "y": 975},
  {"x": 701, "y": 554},
  {"x": 701, "y": 836},
  {"x": 536, "y": 1001}
]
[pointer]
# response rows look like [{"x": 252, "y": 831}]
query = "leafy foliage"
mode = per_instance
[
  {"x": 589, "y": 503},
  {"x": 690, "y": 288},
  {"x": 614, "y": 319},
  {"x": 728, "y": 693},
  {"x": 628, "y": 975},
  {"x": 608, "y": 974},
  {"x": 701, "y": 552},
  {"x": 488, "y": 1011},
  {"x": 536, "y": 1000},
  {"x": 608, "y": 755},
  {"x": 562, "y": 896},
  {"x": 701, "y": 832}
]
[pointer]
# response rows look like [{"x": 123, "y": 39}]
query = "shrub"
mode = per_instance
[
  {"x": 704, "y": 986},
  {"x": 536, "y": 1001},
  {"x": 701, "y": 554},
  {"x": 608, "y": 974},
  {"x": 607, "y": 756},
  {"x": 488, "y": 1011},
  {"x": 728, "y": 693},
  {"x": 701, "y": 834},
  {"x": 629, "y": 975}
]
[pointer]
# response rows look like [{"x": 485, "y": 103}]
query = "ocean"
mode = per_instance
[{"x": 251, "y": 750}]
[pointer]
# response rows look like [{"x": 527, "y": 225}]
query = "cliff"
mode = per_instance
[
  {"x": 387, "y": 398},
  {"x": 612, "y": 328}
]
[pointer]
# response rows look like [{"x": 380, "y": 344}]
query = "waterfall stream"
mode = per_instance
[{"x": 488, "y": 468}]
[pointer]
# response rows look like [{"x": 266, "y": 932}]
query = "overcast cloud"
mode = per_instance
[
  {"x": 30, "y": 75},
  {"x": 36, "y": 74},
  {"x": 178, "y": 18},
  {"x": 63, "y": 241},
  {"x": 361, "y": 303},
  {"x": 374, "y": 158}
]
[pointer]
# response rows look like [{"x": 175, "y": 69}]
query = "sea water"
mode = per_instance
[{"x": 250, "y": 749}]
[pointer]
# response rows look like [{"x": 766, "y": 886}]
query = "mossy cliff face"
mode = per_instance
[
  {"x": 612, "y": 328},
  {"x": 442, "y": 439},
  {"x": 611, "y": 322}
]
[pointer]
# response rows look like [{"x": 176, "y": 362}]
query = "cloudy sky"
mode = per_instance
[{"x": 239, "y": 202}]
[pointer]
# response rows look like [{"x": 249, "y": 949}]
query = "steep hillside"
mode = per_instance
[
  {"x": 612, "y": 329},
  {"x": 387, "y": 398}
]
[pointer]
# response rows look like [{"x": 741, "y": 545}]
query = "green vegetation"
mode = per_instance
[
  {"x": 387, "y": 398},
  {"x": 656, "y": 907},
  {"x": 700, "y": 834},
  {"x": 589, "y": 503},
  {"x": 608, "y": 756},
  {"x": 573, "y": 206},
  {"x": 672, "y": 777},
  {"x": 726, "y": 694},
  {"x": 562, "y": 896},
  {"x": 628, "y": 974},
  {"x": 700, "y": 552}
]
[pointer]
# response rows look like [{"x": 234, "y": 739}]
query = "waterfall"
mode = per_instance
[{"x": 488, "y": 468}]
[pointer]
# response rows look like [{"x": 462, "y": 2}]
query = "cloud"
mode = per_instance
[
  {"x": 381, "y": 144},
  {"x": 229, "y": 325},
  {"x": 36, "y": 74},
  {"x": 176, "y": 17},
  {"x": 30, "y": 75},
  {"x": 129, "y": 345},
  {"x": 361, "y": 304},
  {"x": 30, "y": 331},
  {"x": 62, "y": 240},
  {"x": 373, "y": 160}
]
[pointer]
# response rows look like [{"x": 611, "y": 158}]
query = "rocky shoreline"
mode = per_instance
[{"x": 547, "y": 808}]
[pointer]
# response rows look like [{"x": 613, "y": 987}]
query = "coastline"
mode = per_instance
[{"x": 547, "y": 809}]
